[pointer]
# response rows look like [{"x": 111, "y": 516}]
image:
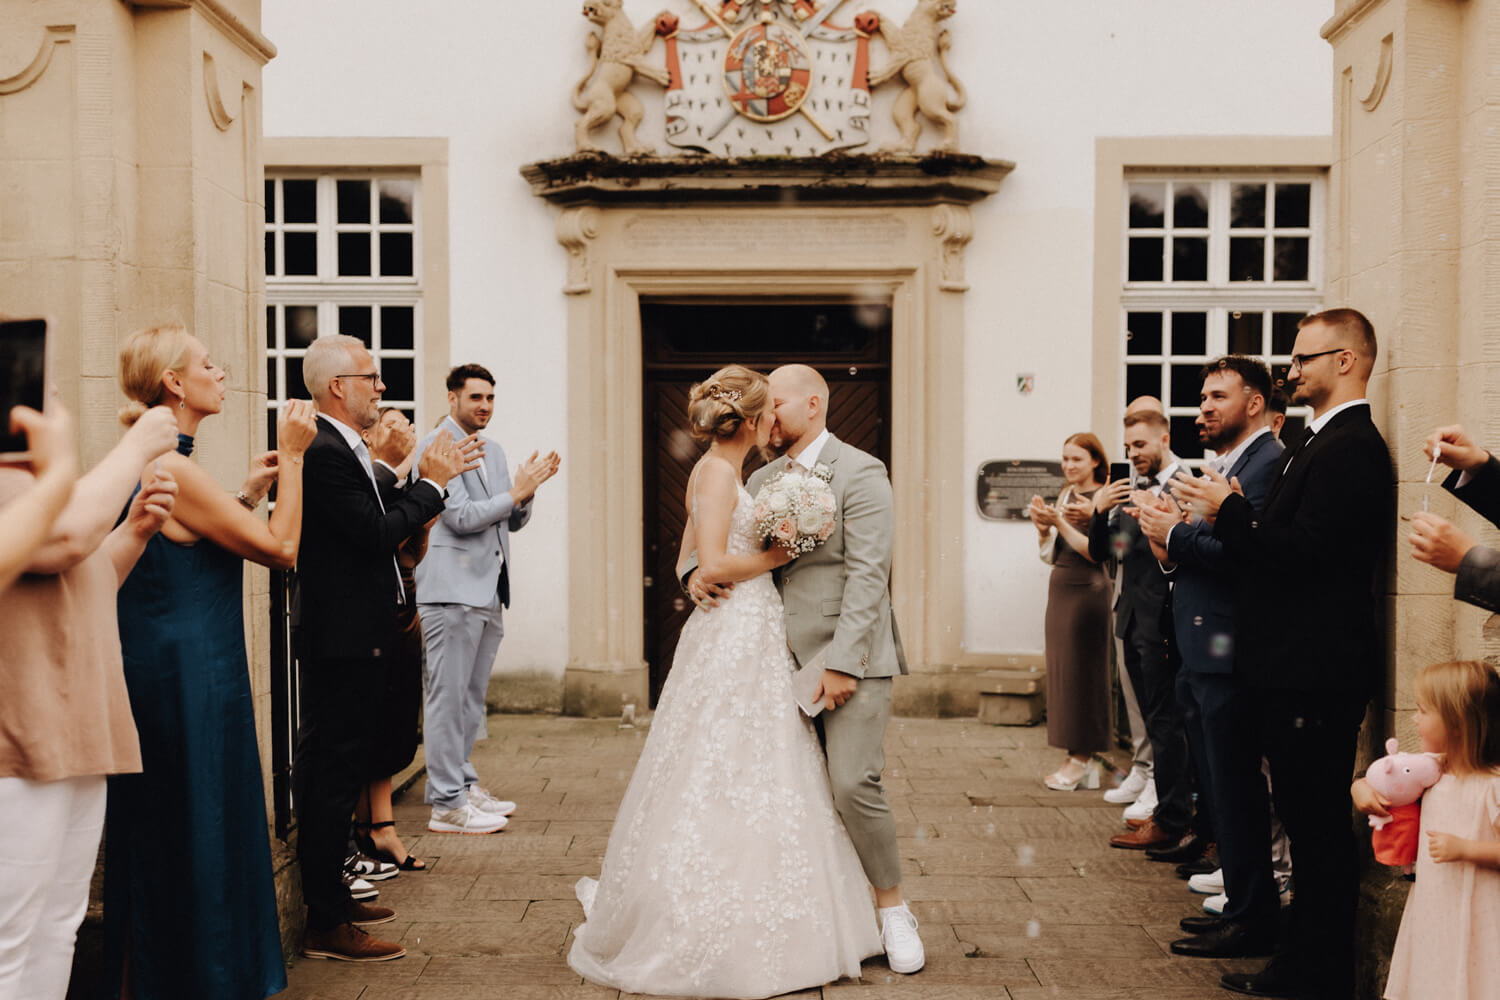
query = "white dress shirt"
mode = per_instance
[{"x": 808, "y": 457}]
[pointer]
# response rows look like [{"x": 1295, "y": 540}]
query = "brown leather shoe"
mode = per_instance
[
  {"x": 1149, "y": 835},
  {"x": 347, "y": 943},
  {"x": 368, "y": 915},
  {"x": 1136, "y": 824}
]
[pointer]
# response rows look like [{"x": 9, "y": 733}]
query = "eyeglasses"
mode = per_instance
[
  {"x": 374, "y": 377},
  {"x": 1298, "y": 360}
]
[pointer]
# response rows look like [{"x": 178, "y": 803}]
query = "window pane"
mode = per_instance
[
  {"x": 1185, "y": 443},
  {"x": 1284, "y": 331},
  {"x": 354, "y": 254},
  {"x": 1187, "y": 385},
  {"x": 397, "y": 374},
  {"x": 397, "y": 328},
  {"x": 1293, "y": 429},
  {"x": 1148, "y": 206},
  {"x": 296, "y": 388},
  {"x": 396, "y": 200},
  {"x": 357, "y": 321},
  {"x": 1247, "y": 206},
  {"x": 301, "y": 253},
  {"x": 1291, "y": 258},
  {"x": 1293, "y": 205},
  {"x": 1142, "y": 380},
  {"x": 1143, "y": 335},
  {"x": 1189, "y": 206},
  {"x": 270, "y": 253},
  {"x": 270, "y": 201},
  {"x": 354, "y": 201},
  {"x": 1245, "y": 333},
  {"x": 1189, "y": 258},
  {"x": 301, "y": 326},
  {"x": 1247, "y": 258},
  {"x": 271, "y": 386},
  {"x": 1190, "y": 334},
  {"x": 270, "y": 328},
  {"x": 1278, "y": 377},
  {"x": 271, "y": 427},
  {"x": 1145, "y": 258},
  {"x": 299, "y": 201},
  {"x": 395, "y": 254}
]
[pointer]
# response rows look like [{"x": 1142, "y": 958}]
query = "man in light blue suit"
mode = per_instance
[{"x": 463, "y": 585}]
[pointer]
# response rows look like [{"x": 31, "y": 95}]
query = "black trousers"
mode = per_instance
[
  {"x": 1219, "y": 717},
  {"x": 1309, "y": 739},
  {"x": 1152, "y": 662},
  {"x": 328, "y": 770}
]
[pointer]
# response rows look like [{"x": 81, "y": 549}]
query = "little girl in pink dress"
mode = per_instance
[{"x": 1447, "y": 945}]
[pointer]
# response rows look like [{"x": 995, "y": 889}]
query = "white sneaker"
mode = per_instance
[
  {"x": 464, "y": 819},
  {"x": 1216, "y": 904},
  {"x": 1210, "y": 884},
  {"x": 898, "y": 933},
  {"x": 365, "y": 867},
  {"x": 359, "y": 888},
  {"x": 1144, "y": 807},
  {"x": 1130, "y": 789},
  {"x": 482, "y": 800}
]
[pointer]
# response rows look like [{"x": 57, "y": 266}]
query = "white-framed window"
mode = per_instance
[
  {"x": 343, "y": 256},
  {"x": 1214, "y": 265}
]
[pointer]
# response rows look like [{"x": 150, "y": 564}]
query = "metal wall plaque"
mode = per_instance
[{"x": 1006, "y": 486}]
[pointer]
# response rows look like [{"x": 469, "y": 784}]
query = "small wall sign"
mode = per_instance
[{"x": 1006, "y": 486}]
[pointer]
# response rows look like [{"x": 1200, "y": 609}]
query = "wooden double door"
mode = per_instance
[{"x": 683, "y": 342}]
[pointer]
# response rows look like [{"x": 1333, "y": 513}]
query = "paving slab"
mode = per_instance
[{"x": 1018, "y": 894}]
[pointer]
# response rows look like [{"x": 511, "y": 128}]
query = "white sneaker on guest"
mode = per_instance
[
  {"x": 1144, "y": 807},
  {"x": 1216, "y": 904},
  {"x": 898, "y": 933},
  {"x": 1130, "y": 789},
  {"x": 1210, "y": 884},
  {"x": 464, "y": 819},
  {"x": 482, "y": 800}
]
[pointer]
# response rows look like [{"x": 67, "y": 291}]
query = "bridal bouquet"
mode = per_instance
[{"x": 795, "y": 509}]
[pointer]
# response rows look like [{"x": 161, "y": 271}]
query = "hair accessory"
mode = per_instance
[{"x": 732, "y": 395}]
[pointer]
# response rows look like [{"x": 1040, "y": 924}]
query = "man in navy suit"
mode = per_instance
[
  {"x": 1310, "y": 639},
  {"x": 1233, "y": 421}
]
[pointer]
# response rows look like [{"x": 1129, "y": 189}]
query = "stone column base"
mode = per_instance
[{"x": 599, "y": 692}]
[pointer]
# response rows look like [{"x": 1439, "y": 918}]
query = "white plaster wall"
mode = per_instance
[{"x": 1045, "y": 79}]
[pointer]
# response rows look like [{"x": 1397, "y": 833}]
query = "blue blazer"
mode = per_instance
[
  {"x": 1203, "y": 593},
  {"x": 470, "y": 543}
]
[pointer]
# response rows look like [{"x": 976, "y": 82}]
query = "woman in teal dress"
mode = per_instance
[{"x": 190, "y": 906}]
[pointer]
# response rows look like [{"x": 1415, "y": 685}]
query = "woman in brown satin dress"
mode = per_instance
[{"x": 1077, "y": 623}]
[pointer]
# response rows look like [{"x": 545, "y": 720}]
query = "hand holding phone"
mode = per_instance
[{"x": 48, "y": 440}]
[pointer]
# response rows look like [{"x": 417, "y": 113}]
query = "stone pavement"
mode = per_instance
[{"x": 1018, "y": 893}]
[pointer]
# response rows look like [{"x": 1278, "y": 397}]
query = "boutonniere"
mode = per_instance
[{"x": 823, "y": 472}]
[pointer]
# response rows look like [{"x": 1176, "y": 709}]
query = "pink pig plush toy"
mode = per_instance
[{"x": 1401, "y": 778}]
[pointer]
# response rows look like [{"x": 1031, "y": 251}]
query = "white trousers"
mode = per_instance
[{"x": 48, "y": 844}]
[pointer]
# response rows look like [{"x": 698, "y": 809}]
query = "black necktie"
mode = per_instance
[{"x": 1297, "y": 448}]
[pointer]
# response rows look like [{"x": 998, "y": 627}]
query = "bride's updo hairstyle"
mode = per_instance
[
  {"x": 145, "y": 356},
  {"x": 719, "y": 405}
]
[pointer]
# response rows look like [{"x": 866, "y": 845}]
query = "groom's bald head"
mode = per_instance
[{"x": 799, "y": 396}]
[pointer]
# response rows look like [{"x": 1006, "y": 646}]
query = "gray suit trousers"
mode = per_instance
[
  {"x": 854, "y": 739},
  {"x": 461, "y": 645}
]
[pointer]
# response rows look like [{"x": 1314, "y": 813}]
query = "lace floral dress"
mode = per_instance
[{"x": 728, "y": 873}]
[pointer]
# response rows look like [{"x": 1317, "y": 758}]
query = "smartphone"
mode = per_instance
[
  {"x": 1121, "y": 470},
  {"x": 23, "y": 379}
]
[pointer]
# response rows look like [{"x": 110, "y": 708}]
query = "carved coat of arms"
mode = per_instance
[{"x": 768, "y": 78}]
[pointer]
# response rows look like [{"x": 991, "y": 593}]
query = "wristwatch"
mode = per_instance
[{"x": 245, "y": 501}]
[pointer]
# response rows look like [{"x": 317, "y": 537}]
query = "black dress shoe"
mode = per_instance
[
  {"x": 1188, "y": 847},
  {"x": 1232, "y": 940},
  {"x": 1200, "y": 925},
  {"x": 1208, "y": 863},
  {"x": 1272, "y": 981}
]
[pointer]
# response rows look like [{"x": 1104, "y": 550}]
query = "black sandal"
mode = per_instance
[{"x": 363, "y": 837}]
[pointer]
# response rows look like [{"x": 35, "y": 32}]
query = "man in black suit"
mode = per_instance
[
  {"x": 1142, "y": 621},
  {"x": 343, "y": 619},
  {"x": 1233, "y": 422},
  {"x": 1436, "y": 541},
  {"x": 1312, "y": 566}
]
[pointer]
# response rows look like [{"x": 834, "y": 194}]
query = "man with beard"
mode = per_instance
[
  {"x": 1232, "y": 422},
  {"x": 1311, "y": 561}
]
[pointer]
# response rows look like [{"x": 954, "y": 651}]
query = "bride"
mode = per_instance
[{"x": 728, "y": 873}]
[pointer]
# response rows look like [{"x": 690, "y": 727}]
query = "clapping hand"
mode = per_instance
[
  {"x": 1205, "y": 494},
  {"x": 1436, "y": 542},
  {"x": 153, "y": 503},
  {"x": 1454, "y": 448},
  {"x": 1042, "y": 514},
  {"x": 1079, "y": 512},
  {"x": 1158, "y": 514},
  {"x": 391, "y": 441},
  {"x": 532, "y": 473},
  {"x": 442, "y": 460}
]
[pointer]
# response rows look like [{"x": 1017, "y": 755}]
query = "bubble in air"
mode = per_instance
[
  {"x": 1026, "y": 854},
  {"x": 1221, "y": 646},
  {"x": 1033, "y": 929}
]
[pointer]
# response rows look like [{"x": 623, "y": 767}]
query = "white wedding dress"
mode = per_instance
[{"x": 728, "y": 873}]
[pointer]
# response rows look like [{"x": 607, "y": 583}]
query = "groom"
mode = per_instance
[{"x": 838, "y": 596}]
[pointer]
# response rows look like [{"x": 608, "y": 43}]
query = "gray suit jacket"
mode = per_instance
[
  {"x": 472, "y": 535},
  {"x": 839, "y": 594},
  {"x": 1478, "y": 580}
]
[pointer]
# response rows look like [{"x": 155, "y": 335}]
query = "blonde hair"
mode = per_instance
[
  {"x": 145, "y": 357},
  {"x": 1465, "y": 696},
  {"x": 718, "y": 406}
]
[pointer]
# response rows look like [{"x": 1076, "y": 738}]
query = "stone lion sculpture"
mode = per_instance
[
  {"x": 918, "y": 52},
  {"x": 619, "y": 53}
]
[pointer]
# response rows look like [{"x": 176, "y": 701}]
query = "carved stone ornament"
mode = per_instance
[
  {"x": 769, "y": 77},
  {"x": 954, "y": 226},
  {"x": 576, "y": 227}
]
